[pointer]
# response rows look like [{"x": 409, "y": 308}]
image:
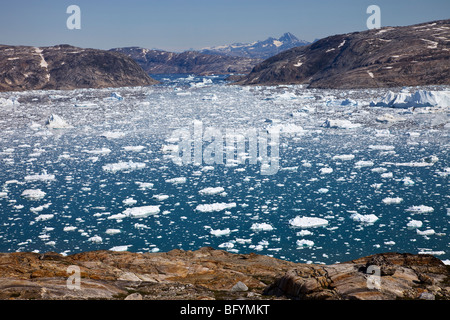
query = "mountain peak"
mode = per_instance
[{"x": 288, "y": 37}]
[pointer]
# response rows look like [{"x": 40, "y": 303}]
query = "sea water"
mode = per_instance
[{"x": 109, "y": 180}]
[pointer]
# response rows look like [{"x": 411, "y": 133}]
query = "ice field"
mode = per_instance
[{"x": 94, "y": 169}]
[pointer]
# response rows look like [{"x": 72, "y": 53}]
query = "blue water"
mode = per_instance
[{"x": 83, "y": 195}]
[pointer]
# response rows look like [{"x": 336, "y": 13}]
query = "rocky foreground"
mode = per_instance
[{"x": 214, "y": 274}]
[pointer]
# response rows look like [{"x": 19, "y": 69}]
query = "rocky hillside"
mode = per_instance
[
  {"x": 157, "y": 62},
  {"x": 258, "y": 49},
  {"x": 386, "y": 57},
  {"x": 214, "y": 274},
  {"x": 66, "y": 67}
]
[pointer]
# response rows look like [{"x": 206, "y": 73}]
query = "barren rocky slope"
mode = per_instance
[
  {"x": 157, "y": 62},
  {"x": 66, "y": 67},
  {"x": 214, "y": 274},
  {"x": 387, "y": 57}
]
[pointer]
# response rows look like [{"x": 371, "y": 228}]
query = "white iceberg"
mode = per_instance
[
  {"x": 33, "y": 194},
  {"x": 121, "y": 166},
  {"x": 420, "y": 209},
  {"x": 340, "y": 124},
  {"x": 304, "y": 243},
  {"x": 368, "y": 218},
  {"x": 211, "y": 191},
  {"x": 213, "y": 207},
  {"x": 307, "y": 222},
  {"x": 136, "y": 212},
  {"x": 56, "y": 122},
  {"x": 414, "y": 224},
  {"x": 420, "y": 98},
  {"x": 261, "y": 227}
]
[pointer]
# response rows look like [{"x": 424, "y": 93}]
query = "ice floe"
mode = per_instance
[
  {"x": 307, "y": 222},
  {"x": 122, "y": 166},
  {"x": 213, "y": 207},
  {"x": 33, "y": 194}
]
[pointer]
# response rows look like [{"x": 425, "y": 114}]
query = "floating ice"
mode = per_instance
[
  {"x": 219, "y": 232},
  {"x": 261, "y": 227},
  {"x": 56, "y": 122},
  {"x": 428, "y": 232},
  {"x": 344, "y": 157},
  {"x": 161, "y": 197},
  {"x": 98, "y": 151},
  {"x": 40, "y": 177},
  {"x": 340, "y": 124},
  {"x": 325, "y": 170},
  {"x": 392, "y": 200},
  {"x": 96, "y": 239},
  {"x": 112, "y": 231},
  {"x": 33, "y": 194},
  {"x": 120, "y": 248},
  {"x": 121, "y": 166},
  {"x": 420, "y": 98},
  {"x": 414, "y": 224},
  {"x": 136, "y": 212},
  {"x": 307, "y": 222},
  {"x": 420, "y": 209},
  {"x": 215, "y": 207},
  {"x": 134, "y": 148},
  {"x": 178, "y": 180},
  {"x": 304, "y": 243},
  {"x": 44, "y": 217},
  {"x": 113, "y": 134},
  {"x": 211, "y": 191},
  {"x": 70, "y": 228},
  {"x": 368, "y": 218},
  {"x": 364, "y": 163}
]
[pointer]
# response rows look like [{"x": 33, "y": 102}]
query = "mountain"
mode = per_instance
[
  {"x": 66, "y": 67},
  {"x": 157, "y": 62},
  {"x": 387, "y": 57},
  {"x": 259, "y": 49},
  {"x": 214, "y": 274}
]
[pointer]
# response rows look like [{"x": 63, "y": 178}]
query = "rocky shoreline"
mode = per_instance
[{"x": 209, "y": 274}]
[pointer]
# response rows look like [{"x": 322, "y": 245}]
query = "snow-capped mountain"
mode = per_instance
[{"x": 258, "y": 49}]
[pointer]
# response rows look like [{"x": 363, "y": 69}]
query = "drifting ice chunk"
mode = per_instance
[
  {"x": 261, "y": 227},
  {"x": 178, "y": 180},
  {"x": 420, "y": 98},
  {"x": 307, "y": 222},
  {"x": 392, "y": 200},
  {"x": 215, "y": 207},
  {"x": 120, "y": 248},
  {"x": 219, "y": 233},
  {"x": 40, "y": 177},
  {"x": 428, "y": 232},
  {"x": 340, "y": 124},
  {"x": 211, "y": 191},
  {"x": 368, "y": 218},
  {"x": 414, "y": 224},
  {"x": 420, "y": 209},
  {"x": 344, "y": 157},
  {"x": 33, "y": 194},
  {"x": 304, "y": 243},
  {"x": 96, "y": 239},
  {"x": 114, "y": 97},
  {"x": 113, "y": 134},
  {"x": 56, "y": 122},
  {"x": 136, "y": 212},
  {"x": 120, "y": 166}
]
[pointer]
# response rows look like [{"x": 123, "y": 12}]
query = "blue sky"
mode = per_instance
[{"x": 178, "y": 25}]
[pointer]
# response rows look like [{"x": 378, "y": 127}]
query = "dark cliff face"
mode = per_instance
[
  {"x": 157, "y": 62},
  {"x": 387, "y": 57},
  {"x": 66, "y": 67}
]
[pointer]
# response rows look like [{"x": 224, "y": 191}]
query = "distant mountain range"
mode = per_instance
[
  {"x": 258, "y": 49},
  {"x": 387, "y": 57},
  {"x": 158, "y": 61}
]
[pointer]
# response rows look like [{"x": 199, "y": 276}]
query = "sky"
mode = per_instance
[{"x": 178, "y": 25}]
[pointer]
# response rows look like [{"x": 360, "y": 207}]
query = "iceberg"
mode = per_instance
[
  {"x": 121, "y": 166},
  {"x": 33, "y": 194},
  {"x": 215, "y": 207},
  {"x": 340, "y": 124},
  {"x": 56, "y": 122},
  {"x": 261, "y": 227},
  {"x": 368, "y": 218},
  {"x": 307, "y": 222},
  {"x": 420, "y": 98}
]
